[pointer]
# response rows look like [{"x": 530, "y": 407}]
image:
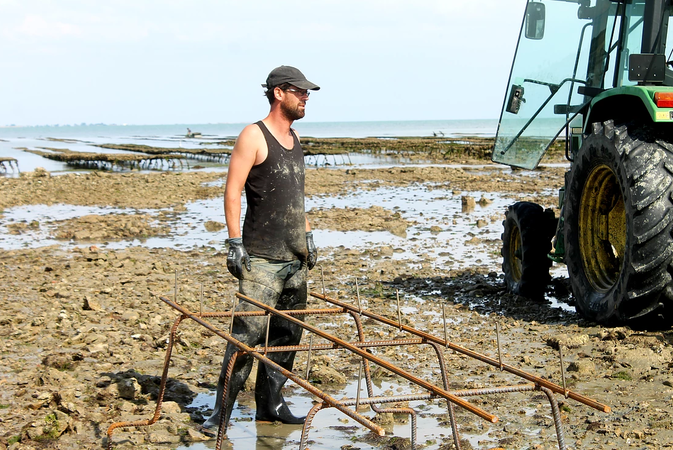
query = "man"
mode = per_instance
[{"x": 272, "y": 255}]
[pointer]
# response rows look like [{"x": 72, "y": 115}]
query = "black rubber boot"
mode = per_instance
[
  {"x": 242, "y": 367},
  {"x": 271, "y": 405}
]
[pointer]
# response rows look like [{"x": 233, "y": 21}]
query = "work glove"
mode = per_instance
[
  {"x": 312, "y": 251},
  {"x": 237, "y": 257}
]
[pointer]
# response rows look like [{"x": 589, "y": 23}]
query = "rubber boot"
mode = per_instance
[
  {"x": 271, "y": 405},
  {"x": 242, "y": 367}
]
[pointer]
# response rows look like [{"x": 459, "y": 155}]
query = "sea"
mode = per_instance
[{"x": 84, "y": 137}]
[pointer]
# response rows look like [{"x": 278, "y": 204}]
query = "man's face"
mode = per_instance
[{"x": 293, "y": 104}]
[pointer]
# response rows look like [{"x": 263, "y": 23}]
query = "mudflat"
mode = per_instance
[{"x": 84, "y": 334}]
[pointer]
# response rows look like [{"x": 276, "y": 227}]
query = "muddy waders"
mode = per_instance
[{"x": 283, "y": 286}]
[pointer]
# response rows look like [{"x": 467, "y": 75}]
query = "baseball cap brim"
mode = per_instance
[{"x": 290, "y": 75}]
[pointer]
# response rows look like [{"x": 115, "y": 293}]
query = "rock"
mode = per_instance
[
  {"x": 213, "y": 226},
  {"x": 614, "y": 334},
  {"x": 384, "y": 419},
  {"x": 195, "y": 436},
  {"x": 467, "y": 203},
  {"x": 54, "y": 377},
  {"x": 323, "y": 374},
  {"x": 40, "y": 172},
  {"x": 99, "y": 347},
  {"x": 50, "y": 427},
  {"x": 573, "y": 341},
  {"x": 163, "y": 437},
  {"x": 131, "y": 316},
  {"x": 643, "y": 360},
  {"x": 129, "y": 388},
  {"x": 483, "y": 201},
  {"x": 582, "y": 367},
  {"x": 61, "y": 361},
  {"x": 91, "y": 304},
  {"x": 170, "y": 408}
]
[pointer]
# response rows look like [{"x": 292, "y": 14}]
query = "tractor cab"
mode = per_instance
[{"x": 572, "y": 53}]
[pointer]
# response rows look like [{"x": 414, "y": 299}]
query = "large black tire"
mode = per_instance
[
  {"x": 618, "y": 222},
  {"x": 526, "y": 241}
]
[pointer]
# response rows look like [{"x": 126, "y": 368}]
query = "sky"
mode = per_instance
[{"x": 146, "y": 62}]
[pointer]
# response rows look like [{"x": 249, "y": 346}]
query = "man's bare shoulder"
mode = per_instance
[
  {"x": 250, "y": 132},
  {"x": 250, "y": 139}
]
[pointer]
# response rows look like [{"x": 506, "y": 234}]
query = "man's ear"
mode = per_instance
[{"x": 278, "y": 93}]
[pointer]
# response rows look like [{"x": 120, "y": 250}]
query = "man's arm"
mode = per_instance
[{"x": 244, "y": 156}]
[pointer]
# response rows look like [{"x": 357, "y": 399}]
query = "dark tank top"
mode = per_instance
[{"x": 275, "y": 219}]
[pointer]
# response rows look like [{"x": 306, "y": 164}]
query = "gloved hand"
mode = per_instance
[
  {"x": 237, "y": 257},
  {"x": 312, "y": 251}
]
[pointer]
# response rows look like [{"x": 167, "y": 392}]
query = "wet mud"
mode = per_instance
[{"x": 83, "y": 333}]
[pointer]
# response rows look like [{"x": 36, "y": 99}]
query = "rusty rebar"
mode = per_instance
[
  {"x": 307, "y": 424},
  {"x": 483, "y": 358},
  {"x": 222, "y": 430},
  {"x": 361, "y": 348},
  {"x": 399, "y": 312},
  {"x": 445, "y": 381},
  {"x": 446, "y": 333},
  {"x": 563, "y": 372},
  {"x": 557, "y": 417},
  {"x": 364, "y": 421},
  {"x": 381, "y": 362},
  {"x": 308, "y": 357},
  {"x": 497, "y": 336},
  {"x": 171, "y": 343},
  {"x": 162, "y": 389},
  {"x": 266, "y": 341}
]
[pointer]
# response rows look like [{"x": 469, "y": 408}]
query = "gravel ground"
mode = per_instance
[{"x": 84, "y": 332}]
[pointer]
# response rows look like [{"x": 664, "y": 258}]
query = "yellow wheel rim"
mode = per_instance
[
  {"x": 515, "y": 253},
  {"x": 602, "y": 228}
]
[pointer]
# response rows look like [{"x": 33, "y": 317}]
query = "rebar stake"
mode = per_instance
[
  {"x": 446, "y": 334},
  {"x": 497, "y": 336},
  {"x": 563, "y": 373},
  {"x": 357, "y": 397},
  {"x": 399, "y": 313},
  {"x": 357, "y": 293},
  {"x": 322, "y": 277},
  {"x": 308, "y": 357},
  {"x": 268, "y": 325},
  {"x": 233, "y": 311},
  {"x": 175, "y": 292},
  {"x": 201, "y": 302}
]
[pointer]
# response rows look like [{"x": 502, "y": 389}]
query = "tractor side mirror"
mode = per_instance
[{"x": 534, "y": 26}]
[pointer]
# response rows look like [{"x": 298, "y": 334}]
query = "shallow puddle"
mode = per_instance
[
  {"x": 332, "y": 429},
  {"x": 423, "y": 206}
]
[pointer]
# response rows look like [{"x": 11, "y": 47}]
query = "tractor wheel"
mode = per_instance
[
  {"x": 618, "y": 222},
  {"x": 526, "y": 241}
]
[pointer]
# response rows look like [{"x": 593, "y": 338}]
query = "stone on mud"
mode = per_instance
[
  {"x": 129, "y": 388},
  {"x": 582, "y": 367},
  {"x": 213, "y": 226},
  {"x": 567, "y": 341}
]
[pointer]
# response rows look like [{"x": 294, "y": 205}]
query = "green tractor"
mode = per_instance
[{"x": 596, "y": 73}]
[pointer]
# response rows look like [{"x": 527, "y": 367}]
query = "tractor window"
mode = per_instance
[
  {"x": 633, "y": 40},
  {"x": 669, "y": 51},
  {"x": 542, "y": 93}
]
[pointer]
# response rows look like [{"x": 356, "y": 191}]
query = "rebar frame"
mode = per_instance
[{"x": 360, "y": 347}]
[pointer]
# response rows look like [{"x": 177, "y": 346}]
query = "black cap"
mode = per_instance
[{"x": 290, "y": 75}]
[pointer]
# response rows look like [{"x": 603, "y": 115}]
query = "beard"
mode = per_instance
[{"x": 292, "y": 113}]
